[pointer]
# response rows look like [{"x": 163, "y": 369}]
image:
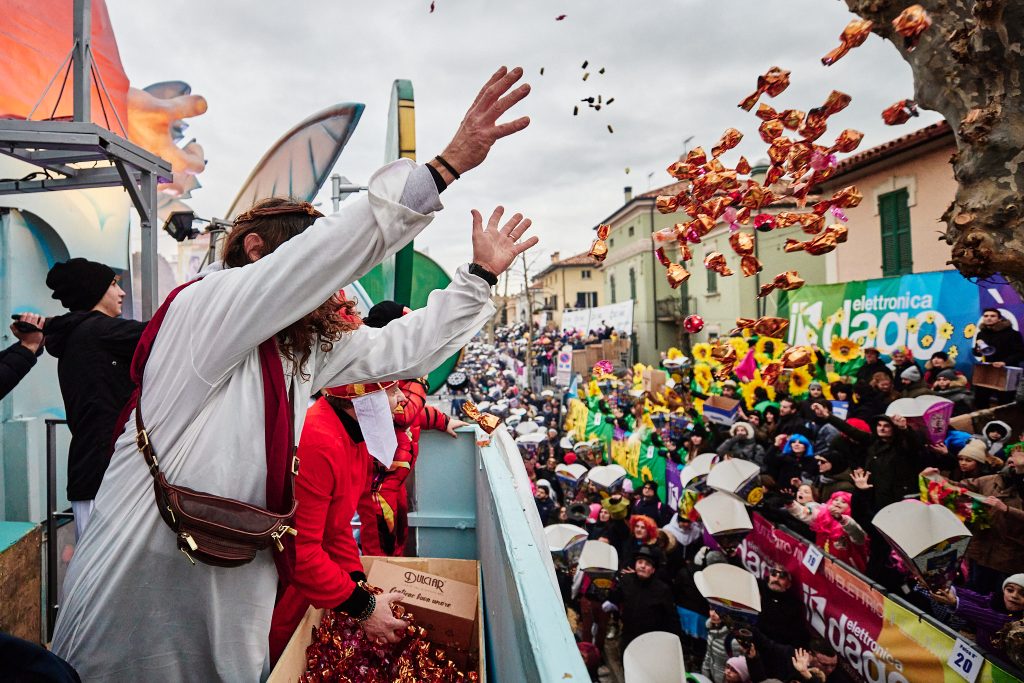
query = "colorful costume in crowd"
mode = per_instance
[{"x": 384, "y": 504}]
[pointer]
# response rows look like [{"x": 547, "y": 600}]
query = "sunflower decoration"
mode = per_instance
[
  {"x": 767, "y": 350},
  {"x": 702, "y": 377},
  {"x": 702, "y": 353},
  {"x": 674, "y": 353},
  {"x": 945, "y": 331},
  {"x": 839, "y": 315},
  {"x": 953, "y": 351},
  {"x": 748, "y": 390},
  {"x": 843, "y": 350},
  {"x": 912, "y": 325},
  {"x": 747, "y": 332},
  {"x": 929, "y": 317},
  {"x": 927, "y": 340},
  {"x": 740, "y": 344},
  {"x": 812, "y": 336},
  {"x": 871, "y": 333},
  {"x": 970, "y": 330},
  {"x": 799, "y": 380}
]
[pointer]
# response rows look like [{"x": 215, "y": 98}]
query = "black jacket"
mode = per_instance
[
  {"x": 646, "y": 606},
  {"x": 1007, "y": 342},
  {"x": 15, "y": 362},
  {"x": 782, "y": 616},
  {"x": 94, "y": 354}
]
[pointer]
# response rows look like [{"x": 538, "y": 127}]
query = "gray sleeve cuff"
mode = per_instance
[{"x": 420, "y": 193}]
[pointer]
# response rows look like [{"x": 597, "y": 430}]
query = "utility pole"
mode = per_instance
[{"x": 529, "y": 325}]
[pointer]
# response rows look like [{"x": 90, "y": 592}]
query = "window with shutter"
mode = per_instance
[{"x": 894, "y": 213}]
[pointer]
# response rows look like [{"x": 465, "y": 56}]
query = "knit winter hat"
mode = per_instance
[
  {"x": 947, "y": 374},
  {"x": 911, "y": 374},
  {"x": 975, "y": 450},
  {"x": 739, "y": 665},
  {"x": 79, "y": 283},
  {"x": 1017, "y": 579}
]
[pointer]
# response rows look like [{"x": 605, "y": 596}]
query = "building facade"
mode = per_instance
[
  {"x": 907, "y": 185},
  {"x": 567, "y": 284}
]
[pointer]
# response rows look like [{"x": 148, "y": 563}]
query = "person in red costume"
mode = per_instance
[
  {"x": 384, "y": 505},
  {"x": 338, "y": 451}
]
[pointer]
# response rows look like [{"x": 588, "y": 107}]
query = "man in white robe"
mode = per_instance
[{"x": 134, "y": 608}]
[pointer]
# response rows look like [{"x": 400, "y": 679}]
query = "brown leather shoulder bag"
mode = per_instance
[{"x": 218, "y": 531}]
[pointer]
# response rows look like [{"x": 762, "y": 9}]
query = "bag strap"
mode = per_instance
[{"x": 279, "y": 416}]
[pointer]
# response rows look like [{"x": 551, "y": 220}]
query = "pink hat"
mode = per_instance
[
  {"x": 594, "y": 509},
  {"x": 627, "y": 486},
  {"x": 739, "y": 665},
  {"x": 569, "y": 459}
]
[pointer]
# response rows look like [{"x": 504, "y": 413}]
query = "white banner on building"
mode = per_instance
[{"x": 618, "y": 316}]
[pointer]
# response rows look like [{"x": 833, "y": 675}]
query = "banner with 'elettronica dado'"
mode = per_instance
[{"x": 927, "y": 312}]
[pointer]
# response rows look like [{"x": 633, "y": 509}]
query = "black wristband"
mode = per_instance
[
  {"x": 357, "y": 603},
  {"x": 482, "y": 273},
  {"x": 439, "y": 182},
  {"x": 357, "y": 576},
  {"x": 451, "y": 169}
]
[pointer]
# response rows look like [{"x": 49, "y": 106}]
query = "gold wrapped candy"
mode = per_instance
[
  {"x": 749, "y": 265},
  {"x": 792, "y": 119},
  {"x": 899, "y": 112},
  {"x": 666, "y": 203},
  {"x": 822, "y": 243},
  {"x": 787, "y": 281},
  {"x": 911, "y": 23},
  {"x": 763, "y": 327},
  {"x": 681, "y": 170},
  {"x": 730, "y": 138},
  {"x": 743, "y": 166},
  {"x": 778, "y": 151},
  {"x": 485, "y": 421},
  {"x": 697, "y": 157},
  {"x": 846, "y": 198},
  {"x": 854, "y": 35},
  {"x": 742, "y": 243},
  {"x": 770, "y": 373},
  {"x": 847, "y": 141},
  {"x": 772, "y": 82},
  {"x": 716, "y": 261},
  {"x": 599, "y": 249},
  {"x": 770, "y": 130},
  {"x": 766, "y": 112},
  {"x": 796, "y": 356},
  {"x": 676, "y": 275}
]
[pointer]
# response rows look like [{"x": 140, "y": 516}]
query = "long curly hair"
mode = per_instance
[
  {"x": 276, "y": 220},
  {"x": 650, "y": 527},
  {"x": 827, "y": 525}
]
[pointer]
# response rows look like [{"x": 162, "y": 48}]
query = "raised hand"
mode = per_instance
[
  {"x": 495, "y": 249},
  {"x": 860, "y": 479},
  {"x": 479, "y": 129},
  {"x": 802, "y": 662},
  {"x": 454, "y": 424},
  {"x": 382, "y": 624}
]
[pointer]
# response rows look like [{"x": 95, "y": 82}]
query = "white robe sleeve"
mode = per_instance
[
  {"x": 414, "y": 344},
  {"x": 232, "y": 311}
]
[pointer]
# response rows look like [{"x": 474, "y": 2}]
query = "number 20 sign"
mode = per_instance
[{"x": 965, "y": 660}]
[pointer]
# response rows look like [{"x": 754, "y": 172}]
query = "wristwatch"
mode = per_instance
[{"x": 481, "y": 272}]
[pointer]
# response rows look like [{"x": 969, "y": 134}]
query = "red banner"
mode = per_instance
[{"x": 878, "y": 640}]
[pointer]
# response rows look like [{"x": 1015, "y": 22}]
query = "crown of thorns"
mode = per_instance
[{"x": 281, "y": 209}]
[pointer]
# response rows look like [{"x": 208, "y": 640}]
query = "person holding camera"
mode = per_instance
[
  {"x": 93, "y": 346},
  {"x": 18, "y": 358}
]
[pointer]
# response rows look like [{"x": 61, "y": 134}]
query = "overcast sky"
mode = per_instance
[{"x": 676, "y": 68}]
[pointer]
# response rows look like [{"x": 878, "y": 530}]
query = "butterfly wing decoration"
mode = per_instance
[{"x": 299, "y": 163}]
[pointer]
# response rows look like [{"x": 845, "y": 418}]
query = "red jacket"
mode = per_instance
[{"x": 335, "y": 468}]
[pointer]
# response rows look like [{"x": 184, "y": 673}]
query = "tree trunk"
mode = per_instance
[{"x": 969, "y": 67}]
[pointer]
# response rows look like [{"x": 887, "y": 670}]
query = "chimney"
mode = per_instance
[
  {"x": 628, "y": 191},
  {"x": 554, "y": 256}
]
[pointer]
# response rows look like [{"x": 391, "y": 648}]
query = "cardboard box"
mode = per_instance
[
  {"x": 593, "y": 355},
  {"x": 721, "y": 410},
  {"x": 579, "y": 364},
  {"x": 654, "y": 380},
  {"x": 443, "y": 605},
  {"x": 292, "y": 663},
  {"x": 1001, "y": 379}
]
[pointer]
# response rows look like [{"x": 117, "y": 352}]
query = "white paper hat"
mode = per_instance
[
  {"x": 565, "y": 443},
  {"x": 915, "y": 526},
  {"x": 573, "y": 472},
  {"x": 655, "y": 657},
  {"x": 606, "y": 477},
  {"x": 723, "y": 512},
  {"x": 732, "y": 475},
  {"x": 729, "y": 584},
  {"x": 532, "y": 438},
  {"x": 526, "y": 428},
  {"x": 599, "y": 556},
  {"x": 913, "y": 407},
  {"x": 561, "y": 535},
  {"x": 700, "y": 466}
]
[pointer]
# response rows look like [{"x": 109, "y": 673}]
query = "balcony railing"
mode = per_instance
[{"x": 669, "y": 310}]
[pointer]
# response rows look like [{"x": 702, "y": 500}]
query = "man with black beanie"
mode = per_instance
[{"x": 93, "y": 346}]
